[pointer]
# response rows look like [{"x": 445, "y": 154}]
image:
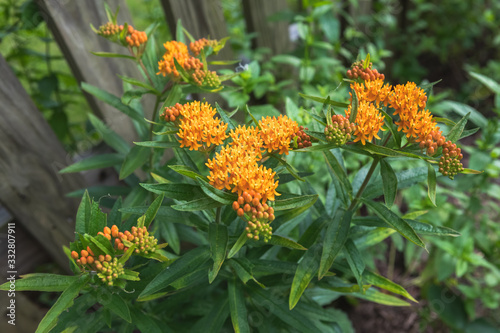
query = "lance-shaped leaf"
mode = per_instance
[
  {"x": 113, "y": 55},
  {"x": 354, "y": 107},
  {"x": 298, "y": 201},
  {"x": 134, "y": 160},
  {"x": 94, "y": 162},
  {"x": 463, "y": 109},
  {"x": 389, "y": 182},
  {"x": 355, "y": 261},
  {"x": 64, "y": 301},
  {"x": 158, "y": 144},
  {"x": 243, "y": 269},
  {"x": 176, "y": 191},
  {"x": 384, "y": 283},
  {"x": 109, "y": 136},
  {"x": 83, "y": 214},
  {"x": 198, "y": 204},
  {"x": 97, "y": 220},
  {"x": 237, "y": 308},
  {"x": 41, "y": 282},
  {"x": 335, "y": 237},
  {"x": 457, "y": 130},
  {"x": 226, "y": 117},
  {"x": 238, "y": 245},
  {"x": 285, "y": 242},
  {"x": 180, "y": 267},
  {"x": 308, "y": 267},
  {"x": 187, "y": 171},
  {"x": 431, "y": 184},
  {"x": 148, "y": 217},
  {"x": 394, "y": 221},
  {"x": 323, "y": 100},
  {"x": 116, "y": 304},
  {"x": 339, "y": 173},
  {"x": 223, "y": 197},
  {"x": 217, "y": 237}
]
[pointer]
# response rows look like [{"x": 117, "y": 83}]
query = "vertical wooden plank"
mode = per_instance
[
  {"x": 30, "y": 186},
  {"x": 270, "y": 34},
  {"x": 70, "y": 22},
  {"x": 201, "y": 18}
]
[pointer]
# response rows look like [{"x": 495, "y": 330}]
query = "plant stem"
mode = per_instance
[
  {"x": 218, "y": 214},
  {"x": 354, "y": 202}
]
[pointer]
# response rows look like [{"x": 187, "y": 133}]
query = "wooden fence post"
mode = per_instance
[
  {"x": 31, "y": 156},
  {"x": 69, "y": 22},
  {"x": 273, "y": 35}
]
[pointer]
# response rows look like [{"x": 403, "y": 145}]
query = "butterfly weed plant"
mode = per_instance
[{"x": 242, "y": 253}]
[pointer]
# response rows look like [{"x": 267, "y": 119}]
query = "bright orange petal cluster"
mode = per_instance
[
  {"x": 409, "y": 102},
  {"x": 276, "y": 133},
  {"x": 247, "y": 138},
  {"x": 235, "y": 168},
  {"x": 198, "y": 128},
  {"x": 373, "y": 91},
  {"x": 179, "y": 51},
  {"x": 369, "y": 122},
  {"x": 199, "y": 44}
]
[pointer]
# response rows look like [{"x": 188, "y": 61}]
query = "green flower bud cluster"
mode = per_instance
[
  {"x": 449, "y": 163},
  {"x": 108, "y": 269},
  {"x": 339, "y": 132}
]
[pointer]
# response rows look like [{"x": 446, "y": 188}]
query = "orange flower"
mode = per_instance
[
  {"x": 177, "y": 50},
  {"x": 369, "y": 122},
  {"x": 198, "y": 45},
  {"x": 248, "y": 138},
  {"x": 373, "y": 91},
  {"x": 199, "y": 128},
  {"x": 276, "y": 133},
  {"x": 236, "y": 169},
  {"x": 407, "y": 98}
]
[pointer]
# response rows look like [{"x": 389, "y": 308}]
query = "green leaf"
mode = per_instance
[
  {"x": 489, "y": 83},
  {"x": 41, "y": 282},
  {"x": 113, "y": 101},
  {"x": 389, "y": 182},
  {"x": 394, "y": 221},
  {"x": 406, "y": 178},
  {"x": 355, "y": 261},
  {"x": 431, "y": 184},
  {"x": 150, "y": 214},
  {"x": 101, "y": 191},
  {"x": 462, "y": 109},
  {"x": 429, "y": 229},
  {"x": 354, "y": 108},
  {"x": 139, "y": 84},
  {"x": 299, "y": 201},
  {"x": 97, "y": 220},
  {"x": 134, "y": 160},
  {"x": 285, "y": 242},
  {"x": 237, "y": 308},
  {"x": 238, "y": 245},
  {"x": 217, "y": 237},
  {"x": 471, "y": 171},
  {"x": 384, "y": 283},
  {"x": 307, "y": 268},
  {"x": 64, "y": 301},
  {"x": 101, "y": 242},
  {"x": 187, "y": 171},
  {"x": 131, "y": 94},
  {"x": 384, "y": 151},
  {"x": 214, "y": 319},
  {"x": 169, "y": 232},
  {"x": 335, "y": 237},
  {"x": 198, "y": 204},
  {"x": 110, "y": 137},
  {"x": 83, "y": 214},
  {"x": 179, "y": 268},
  {"x": 116, "y": 304},
  {"x": 113, "y": 55},
  {"x": 279, "y": 308},
  {"x": 289, "y": 167},
  {"x": 376, "y": 296},
  {"x": 158, "y": 144},
  {"x": 457, "y": 130},
  {"x": 226, "y": 198},
  {"x": 323, "y": 100},
  {"x": 94, "y": 162},
  {"x": 339, "y": 173},
  {"x": 226, "y": 117},
  {"x": 244, "y": 270},
  {"x": 178, "y": 191}
]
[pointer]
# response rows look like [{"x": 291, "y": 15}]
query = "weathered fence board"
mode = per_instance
[
  {"x": 31, "y": 155},
  {"x": 70, "y": 22},
  {"x": 271, "y": 34}
]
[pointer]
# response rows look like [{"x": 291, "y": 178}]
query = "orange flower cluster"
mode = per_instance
[
  {"x": 197, "y": 126},
  {"x": 132, "y": 38},
  {"x": 369, "y": 122},
  {"x": 198, "y": 75},
  {"x": 198, "y": 45},
  {"x": 277, "y": 132},
  {"x": 177, "y": 50}
]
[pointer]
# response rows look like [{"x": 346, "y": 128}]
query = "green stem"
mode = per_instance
[
  {"x": 218, "y": 214},
  {"x": 151, "y": 128},
  {"x": 354, "y": 202}
]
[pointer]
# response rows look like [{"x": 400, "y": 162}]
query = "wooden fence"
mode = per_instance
[{"x": 31, "y": 189}]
